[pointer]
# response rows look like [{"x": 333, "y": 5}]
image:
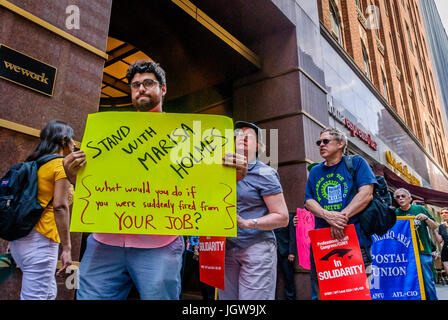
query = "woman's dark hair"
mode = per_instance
[
  {"x": 55, "y": 134},
  {"x": 146, "y": 66}
]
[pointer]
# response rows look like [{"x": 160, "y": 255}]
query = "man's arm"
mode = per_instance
[
  {"x": 438, "y": 236},
  {"x": 427, "y": 218},
  {"x": 360, "y": 201},
  {"x": 335, "y": 219}
]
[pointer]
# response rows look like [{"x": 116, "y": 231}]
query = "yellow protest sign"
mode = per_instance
[{"x": 156, "y": 173}]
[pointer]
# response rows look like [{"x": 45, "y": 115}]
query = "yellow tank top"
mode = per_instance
[{"x": 47, "y": 175}]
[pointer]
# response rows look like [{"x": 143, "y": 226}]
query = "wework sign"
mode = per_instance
[{"x": 26, "y": 71}]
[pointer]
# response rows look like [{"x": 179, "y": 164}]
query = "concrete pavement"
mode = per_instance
[{"x": 442, "y": 291}]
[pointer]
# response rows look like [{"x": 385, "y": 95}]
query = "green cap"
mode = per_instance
[
  {"x": 7, "y": 266},
  {"x": 310, "y": 166}
]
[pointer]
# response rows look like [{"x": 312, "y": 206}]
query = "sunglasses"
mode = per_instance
[
  {"x": 398, "y": 196},
  {"x": 323, "y": 141}
]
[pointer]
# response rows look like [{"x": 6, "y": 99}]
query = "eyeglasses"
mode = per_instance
[
  {"x": 240, "y": 133},
  {"x": 147, "y": 83},
  {"x": 324, "y": 141},
  {"x": 398, "y": 196},
  {"x": 444, "y": 213}
]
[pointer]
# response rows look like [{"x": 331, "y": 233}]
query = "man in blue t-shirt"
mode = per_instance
[{"x": 331, "y": 195}]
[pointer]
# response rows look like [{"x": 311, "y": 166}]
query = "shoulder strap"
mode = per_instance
[
  {"x": 348, "y": 160},
  {"x": 349, "y": 164},
  {"x": 44, "y": 159}
]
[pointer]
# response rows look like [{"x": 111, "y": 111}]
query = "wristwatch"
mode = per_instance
[{"x": 255, "y": 221}]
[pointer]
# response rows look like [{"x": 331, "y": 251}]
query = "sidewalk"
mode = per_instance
[{"x": 442, "y": 291}]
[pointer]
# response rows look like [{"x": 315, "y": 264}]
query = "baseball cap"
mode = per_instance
[
  {"x": 310, "y": 166},
  {"x": 245, "y": 124}
]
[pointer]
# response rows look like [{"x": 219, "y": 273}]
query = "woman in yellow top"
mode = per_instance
[{"x": 37, "y": 253}]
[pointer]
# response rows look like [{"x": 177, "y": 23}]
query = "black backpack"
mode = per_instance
[
  {"x": 379, "y": 215},
  {"x": 19, "y": 208}
]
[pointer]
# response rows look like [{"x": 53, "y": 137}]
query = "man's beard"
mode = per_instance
[{"x": 146, "y": 104}]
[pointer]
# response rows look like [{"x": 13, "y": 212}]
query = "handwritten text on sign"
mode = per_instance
[
  {"x": 156, "y": 173},
  {"x": 305, "y": 223}
]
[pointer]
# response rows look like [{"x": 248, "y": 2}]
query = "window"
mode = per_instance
[
  {"x": 412, "y": 116},
  {"x": 403, "y": 109},
  {"x": 336, "y": 25},
  {"x": 428, "y": 136},
  {"x": 366, "y": 61},
  {"x": 419, "y": 87},
  {"x": 394, "y": 52},
  {"x": 385, "y": 88},
  {"x": 409, "y": 38}
]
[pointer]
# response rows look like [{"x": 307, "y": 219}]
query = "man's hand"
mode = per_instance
[
  {"x": 335, "y": 219},
  {"x": 72, "y": 163},
  {"x": 338, "y": 221},
  {"x": 431, "y": 224},
  {"x": 291, "y": 257},
  {"x": 237, "y": 161},
  {"x": 421, "y": 217},
  {"x": 337, "y": 233}
]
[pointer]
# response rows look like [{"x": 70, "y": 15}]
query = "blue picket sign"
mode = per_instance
[{"x": 396, "y": 270}]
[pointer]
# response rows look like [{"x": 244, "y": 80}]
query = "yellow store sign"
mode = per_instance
[{"x": 403, "y": 169}]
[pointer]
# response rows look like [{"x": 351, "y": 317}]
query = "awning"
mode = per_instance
[{"x": 430, "y": 196}]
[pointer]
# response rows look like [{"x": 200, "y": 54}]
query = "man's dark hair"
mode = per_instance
[{"x": 146, "y": 66}]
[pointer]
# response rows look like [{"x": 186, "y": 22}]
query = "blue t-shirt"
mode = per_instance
[
  {"x": 261, "y": 180},
  {"x": 332, "y": 187}
]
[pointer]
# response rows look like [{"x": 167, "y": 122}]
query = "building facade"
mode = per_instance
[
  {"x": 283, "y": 64},
  {"x": 438, "y": 47},
  {"x": 387, "y": 41}
]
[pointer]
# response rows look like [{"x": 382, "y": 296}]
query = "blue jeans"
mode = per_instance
[
  {"x": 428, "y": 277},
  {"x": 108, "y": 272}
]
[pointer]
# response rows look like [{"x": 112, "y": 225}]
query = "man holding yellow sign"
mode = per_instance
[{"x": 141, "y": 191}]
